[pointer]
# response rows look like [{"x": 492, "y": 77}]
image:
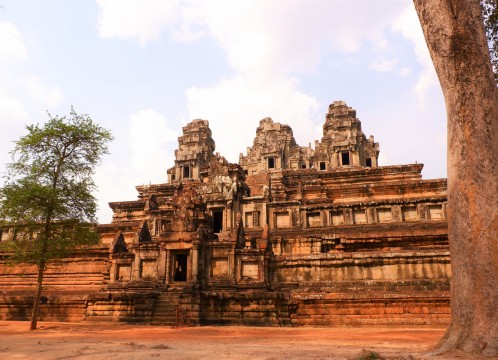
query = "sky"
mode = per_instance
[{"x": 144, "y": 68}]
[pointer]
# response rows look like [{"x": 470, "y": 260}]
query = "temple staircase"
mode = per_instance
[
  {"x": 164, "y": 312},
  {"x": 175, "y": 308}
]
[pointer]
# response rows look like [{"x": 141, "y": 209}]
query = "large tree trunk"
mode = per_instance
[{"x": 454, "y": 33}]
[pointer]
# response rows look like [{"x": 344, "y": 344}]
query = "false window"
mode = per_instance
[
  {"x": 337, "y": 217},
  {"x": 252, "y": 219}
]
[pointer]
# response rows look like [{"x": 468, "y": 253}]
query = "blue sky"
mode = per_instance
[{"x": 144, "y": 68}]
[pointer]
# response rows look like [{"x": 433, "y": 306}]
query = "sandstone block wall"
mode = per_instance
[{"x": 66, "y": 286}]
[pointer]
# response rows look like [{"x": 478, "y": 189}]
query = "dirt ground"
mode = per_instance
[{"x": 60, "y": 341}]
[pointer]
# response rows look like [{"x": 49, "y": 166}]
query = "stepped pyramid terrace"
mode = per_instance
[{"x": 290, "y": 235}]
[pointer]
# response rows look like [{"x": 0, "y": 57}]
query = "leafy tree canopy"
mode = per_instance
[{"x": 47, "y": 196}]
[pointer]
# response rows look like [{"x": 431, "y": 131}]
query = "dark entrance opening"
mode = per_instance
[
  {"x": 186, "y": 172},
  {"x": 180, "y": 267},
  {"x": 322, "y": 166},
  {"x": 368, "y": 162},
  {"x": 271, "y": 162},
  {"x": 345, "y": 158},
  {"x": 217, "y": 221}
]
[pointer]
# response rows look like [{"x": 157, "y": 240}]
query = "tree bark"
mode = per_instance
[
  {"x": 41, "y": 271},
  {"x": 454, "y": 33},
  {"x": 36, "y": 304}
]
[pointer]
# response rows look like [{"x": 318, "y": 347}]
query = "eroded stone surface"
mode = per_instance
[{"x": 291, "y": 235}]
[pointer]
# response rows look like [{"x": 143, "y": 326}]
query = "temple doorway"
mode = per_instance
[{"x": 180, "y": 266}]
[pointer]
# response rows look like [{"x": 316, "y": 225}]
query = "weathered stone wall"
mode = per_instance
[
  {"x": 378, "y": 266},
  {"x": 66, "y": 286},
  {"x": 253, "y": 308},
  {"x": 289, "y": 236},
  {"x": 130, "y": 307},
  {"x": 328, "y": 310}
]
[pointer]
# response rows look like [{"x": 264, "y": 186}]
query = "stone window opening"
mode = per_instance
[
  {"x": 217, "y": 221},
  {"x": 271, "y": 162},
  {"x": 323, "y": 167},
  {"x": 368, "y": 162},
  {"x": 303, "y": 165},
  {"x": 186, "y": 171},
  {"x": 345, "y": 158}
]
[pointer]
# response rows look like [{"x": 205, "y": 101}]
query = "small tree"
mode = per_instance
[{"x": 47, "y": 196}]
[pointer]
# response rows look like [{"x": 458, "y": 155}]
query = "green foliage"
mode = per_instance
[
  {"x": 47, "y": 197},
  {"x": 490, "y": 16}
]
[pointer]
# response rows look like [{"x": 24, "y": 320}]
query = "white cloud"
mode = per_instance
[
  {"x": 382, "y": 65},
  {"x": 236, "y": 105},
  {"x": 267, "y": 43},
  {"x": 13, "y": 118},
  {"x": 12, "y": 47},
  {"x": 142, "y": 157},
  {"x": 11, "y": 110},
  {"x": 190, "y": 22},
  {"x": 149, "y": 134},
  {"x": 115, "y": 182},
  {"x": 405, "y": 71},
  {"x": 383, "y": 159},
  {"x": 287, "y": 37},
  {"x": 407, "y": 23},
  {"x": 282, "y": 36},
  {"x": 49, "y": 96},
  {"x": 142, "y": 19}
]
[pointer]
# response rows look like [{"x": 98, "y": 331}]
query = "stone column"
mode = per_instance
[
  {"x": 168, "y": 267},
  {"x": 195, "y": 262}
]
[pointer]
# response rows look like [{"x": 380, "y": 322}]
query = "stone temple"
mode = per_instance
[{"x": 289, "y": 236}]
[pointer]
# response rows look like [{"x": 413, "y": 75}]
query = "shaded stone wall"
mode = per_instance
[{"x": 67, "y": 285}]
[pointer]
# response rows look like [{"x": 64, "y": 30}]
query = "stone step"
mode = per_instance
[
  {"x": 167, "y": 302},
  {"x": 164, "y": 312}
]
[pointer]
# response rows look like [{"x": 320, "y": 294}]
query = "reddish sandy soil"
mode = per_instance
[{"x": 94, "y": 341}]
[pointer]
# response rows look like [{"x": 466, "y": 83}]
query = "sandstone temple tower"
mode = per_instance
[{"x": 291, "y": 235}]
